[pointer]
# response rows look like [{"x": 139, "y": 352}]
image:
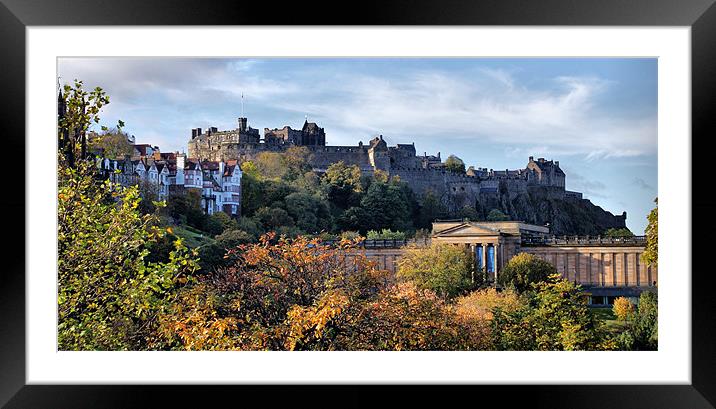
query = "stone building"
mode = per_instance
[
  {"x": 218, "y": 183},
  {"x": 605, "y": 267}
]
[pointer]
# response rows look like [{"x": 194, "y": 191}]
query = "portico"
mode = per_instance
[{"x": 492, "y": 243}]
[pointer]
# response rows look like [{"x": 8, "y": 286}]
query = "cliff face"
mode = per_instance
[{"x": 566, "y": 216}]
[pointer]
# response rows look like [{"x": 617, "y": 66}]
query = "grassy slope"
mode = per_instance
[{"x": 192, "y": 237}]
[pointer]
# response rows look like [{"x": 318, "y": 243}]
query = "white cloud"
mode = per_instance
[{"x": 565, "y": 116}]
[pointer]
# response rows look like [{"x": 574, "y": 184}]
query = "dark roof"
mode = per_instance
[
  {"x": 142, "y": 148},
  {"x": 229, "y": 170},
  {"x": 191, "y": 164},
  {"x": 210, "y": 165}
]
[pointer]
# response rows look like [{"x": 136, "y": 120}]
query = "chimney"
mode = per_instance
[
  {"x": 193, "y": 133},
  {"x": 198, "y": 131},
  {"x": 556, "y": 163},
  {"x": 532, "y": 158}
]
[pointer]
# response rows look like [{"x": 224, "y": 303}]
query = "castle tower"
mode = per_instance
[{"x": 242, "y": 124}]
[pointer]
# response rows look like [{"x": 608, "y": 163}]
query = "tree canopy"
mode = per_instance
[
  {"x": 455, "y": 164},
  {"x": 443, "y": 268},
  {"x": 523, "y": 270},
  {"x": 651, "y": 253}
]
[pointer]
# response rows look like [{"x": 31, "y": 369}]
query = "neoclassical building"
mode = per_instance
[{"x": 606, "y": 267}]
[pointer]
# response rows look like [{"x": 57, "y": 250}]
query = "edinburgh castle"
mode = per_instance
[{"x": 534, "y": 194}]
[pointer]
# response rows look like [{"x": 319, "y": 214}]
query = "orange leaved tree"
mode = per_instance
[{"x": 276, "y": 294}]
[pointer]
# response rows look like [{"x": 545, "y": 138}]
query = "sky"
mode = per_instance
[{"x": 597, "y": 116}]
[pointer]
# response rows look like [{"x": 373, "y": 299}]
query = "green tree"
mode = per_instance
[
  {"x": 646, "y": 322},
  {"x": 356, "y": 218},
  {"x": 310, "y": 212},
  {"x": 642, "y": 333},
  {"x": 219, "y": 222},
  {"x": 113, "y": 143},
  {"x": 233, "y": 238},
  {"x": 651, "y": 253},
  {"x": 272, "y": 218},
  {"x": 430, "y": 210},
  {"x": 467, "y": 212},
  {"x": 496, "y": 215},
  {"x": 622, "y": 232},
  {"x": 297, "y": 161},
  {"x": 342, "y": 184},
  {"x": 149, "y": 195},
  {"x": 523, "y": 270},
  {"x": 387, "y": 206},
  {"x": 185, "y": 208},
  {"x": 443, "y": 268},
  {"x": 555, "y": 318},
  {"x": 251, "y": 189},
  {"x": 109, "y": 294},
  {"x": 82, "y": 110},
  {"x": 455, "y": 164}
]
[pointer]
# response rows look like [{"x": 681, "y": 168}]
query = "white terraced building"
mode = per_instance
[{"x": 219, "y": 183}]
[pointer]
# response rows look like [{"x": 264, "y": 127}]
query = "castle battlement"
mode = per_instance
[{"x": 422, "y": 173}]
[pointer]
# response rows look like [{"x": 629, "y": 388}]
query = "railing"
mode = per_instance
[
  {"x": 583, "y": 241},
  {"x": 387, "y": 243}
]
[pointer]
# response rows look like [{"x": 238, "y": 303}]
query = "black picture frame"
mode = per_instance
[{"x": 15, "y": 15}]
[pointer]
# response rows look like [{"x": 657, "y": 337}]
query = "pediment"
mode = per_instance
[{"x": 467, "y": 229}]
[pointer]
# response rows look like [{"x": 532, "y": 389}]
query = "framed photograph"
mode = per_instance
[{"x": 454, "y": 194}]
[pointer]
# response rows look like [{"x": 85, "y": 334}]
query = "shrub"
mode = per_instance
[
  {"x": 474, "y": 313},
  {"x": 523, "y": 270},
  {"x": 623, "y": 308},
  {"x": 496, "y": 215},
  {"x": 385, "y": 234},
  {"x": 555, "y": 318}
]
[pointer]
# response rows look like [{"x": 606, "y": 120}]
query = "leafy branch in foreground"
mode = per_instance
[{"x": 109, "y": 295}]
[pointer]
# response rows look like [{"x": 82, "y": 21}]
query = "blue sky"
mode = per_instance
[{"x": 597, "y": 116}]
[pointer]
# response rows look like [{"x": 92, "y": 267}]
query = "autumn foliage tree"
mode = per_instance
[
  {"x": 623, "y": 308},
  {"x": 278, "y": 294}
]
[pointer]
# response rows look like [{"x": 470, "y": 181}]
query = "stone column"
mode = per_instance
[
  {"x": 474, "y": 264},
  {"x": 577, "y": 270},
  {"x": 484, "y": 260},
  {"x": 494, "y": 262}
]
